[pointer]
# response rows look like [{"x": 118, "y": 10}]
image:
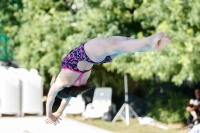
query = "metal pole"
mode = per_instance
[
  {"x": 127, "y": 115},
  {"x": 126, "y": 88},
  {"x": 126, "y": 99},
  {"x": 125, "y": 106}
]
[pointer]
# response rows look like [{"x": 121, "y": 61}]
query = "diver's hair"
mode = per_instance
[{"x": 73, "y": 91}]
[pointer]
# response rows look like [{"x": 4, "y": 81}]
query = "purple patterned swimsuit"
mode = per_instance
[{"x": 78, "y": 54}]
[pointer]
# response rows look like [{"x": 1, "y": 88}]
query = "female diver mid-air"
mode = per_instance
[{"x": 76, "y": 66}]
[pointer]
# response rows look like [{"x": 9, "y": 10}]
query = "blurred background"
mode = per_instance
[{"x": 37, "y": 34}]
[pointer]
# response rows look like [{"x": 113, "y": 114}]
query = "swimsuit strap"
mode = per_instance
[{"x": 80, "y": 77}]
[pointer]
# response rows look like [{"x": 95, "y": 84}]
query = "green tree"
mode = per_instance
[
  {"x": 179, "y": 60},
  {"x": 42, "y": 32},
  {"x": 5, "y": 52},
  {"x": 8, "y": 27},
  {"x": 48, "y": 30},
  {"x": 45, "y": 31}
]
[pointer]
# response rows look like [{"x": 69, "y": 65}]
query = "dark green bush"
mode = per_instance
[{"x": 169, "y": 107}]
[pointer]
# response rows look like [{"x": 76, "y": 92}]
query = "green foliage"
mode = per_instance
[
  {"x": 5, "y": 52},
  {"x": 43, "y": 35},
  {"x": 169, "y": 107},
  {"x": 42, "y": 32},
  {"x": 48, "y": 30},
  {"x": 180, "y": 20}
]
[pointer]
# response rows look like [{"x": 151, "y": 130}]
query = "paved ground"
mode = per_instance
[{"x": 33, "y": 124}]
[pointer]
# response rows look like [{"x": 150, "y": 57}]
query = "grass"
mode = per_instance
[{"x": 120, "y": 127}]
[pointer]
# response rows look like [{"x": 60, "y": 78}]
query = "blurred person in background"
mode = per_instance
[
  {"x": 76, "y": 66},
  {"x": 194, "y": 109}
]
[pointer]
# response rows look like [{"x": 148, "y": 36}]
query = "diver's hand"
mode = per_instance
[{"x": 53, "y": 118}]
